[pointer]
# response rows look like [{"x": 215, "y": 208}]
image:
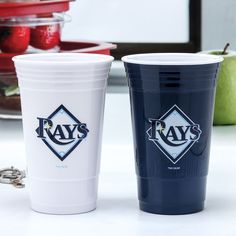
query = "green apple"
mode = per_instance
[{"x": 225, "y": 100}]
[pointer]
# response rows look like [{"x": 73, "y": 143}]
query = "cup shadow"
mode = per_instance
[{"x": 219, "y": 204}]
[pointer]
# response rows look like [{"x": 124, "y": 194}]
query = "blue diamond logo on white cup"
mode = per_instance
[
  {"x": 61, "y": 131},
  {"x": 174, "y": 133}
]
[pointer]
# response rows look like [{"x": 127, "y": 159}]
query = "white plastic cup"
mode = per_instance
[{"x": 62, "y": 99}]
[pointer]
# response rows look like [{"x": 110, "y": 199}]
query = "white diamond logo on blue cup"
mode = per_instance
[
  {"x": 174, "y": 133},
  {"x": 61, "y": 131}
]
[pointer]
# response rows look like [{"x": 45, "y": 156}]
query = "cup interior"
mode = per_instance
[
  {"x": 172, "y": 59},
  {"x": 63, "y": 58}
]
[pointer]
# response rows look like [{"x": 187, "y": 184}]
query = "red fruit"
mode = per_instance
[
  {"x": 14, "y": 39},
  {"x": 45, "y": 37}
]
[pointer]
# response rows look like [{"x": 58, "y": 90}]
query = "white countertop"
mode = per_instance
[{"x": 117, "y": 212}]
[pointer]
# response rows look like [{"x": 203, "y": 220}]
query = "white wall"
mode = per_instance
[
  {"x": 129, "y": 20},
  {"x": 218, "y": 23}
]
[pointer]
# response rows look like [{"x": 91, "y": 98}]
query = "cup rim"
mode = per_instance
[
  {"x": 167, "y": 59},
  {"x": 59, "y": 59}
]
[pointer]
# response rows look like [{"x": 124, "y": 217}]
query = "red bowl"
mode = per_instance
[
  {"x": 6, "y": 63},
  {"x": 86, "y": 47},
  {"x": 32, "y": 8}
]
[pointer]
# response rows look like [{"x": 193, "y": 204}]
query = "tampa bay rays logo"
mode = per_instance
[
  {"x": 61, "y": 131},
  {"x": 174, "y": 133}
]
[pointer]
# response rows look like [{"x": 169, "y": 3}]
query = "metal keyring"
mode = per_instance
[{"x": 12, "y": 176}]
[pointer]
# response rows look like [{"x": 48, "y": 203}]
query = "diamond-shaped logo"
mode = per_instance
[
  {"x": 61, "y": 131},
  {"x": 174, "y": 133}
]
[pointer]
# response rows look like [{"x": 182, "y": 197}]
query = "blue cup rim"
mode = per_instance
[{"x": 172, "y": 59}]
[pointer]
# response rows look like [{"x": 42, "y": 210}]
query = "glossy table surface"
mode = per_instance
[{"x": 117, "y": 212}]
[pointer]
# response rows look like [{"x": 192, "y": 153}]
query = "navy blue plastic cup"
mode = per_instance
[{"x": 172, "y": 100}]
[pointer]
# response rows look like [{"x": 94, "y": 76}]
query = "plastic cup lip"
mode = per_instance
[
  {"x": 62, "y": 59},
  {"x": 172, "y": 59},
  {"x": 35, "y": 21}
]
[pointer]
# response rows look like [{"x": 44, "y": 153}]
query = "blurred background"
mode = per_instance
[
  {"x": 164, "y": 25},
  {"x": 132, "y": 26},
  {"x": 117, "y": 27}
]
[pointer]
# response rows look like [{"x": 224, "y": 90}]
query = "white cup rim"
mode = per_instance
[
  {"x": 62, "y": 59},
  {"x": 172, "y": 59}
]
